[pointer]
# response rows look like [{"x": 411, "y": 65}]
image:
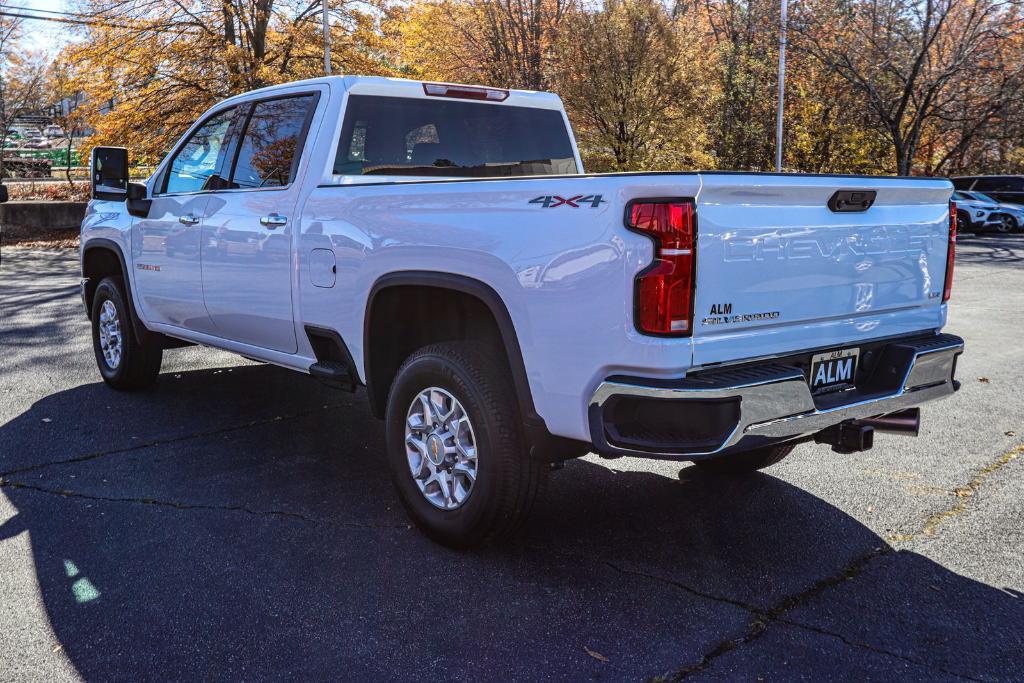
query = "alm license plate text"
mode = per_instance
[{"x": 833, "y": 368}]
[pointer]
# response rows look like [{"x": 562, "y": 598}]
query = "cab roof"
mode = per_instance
[{"x": 402, "y": 87}]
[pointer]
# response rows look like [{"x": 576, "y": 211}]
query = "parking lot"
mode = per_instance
[{"x": 238, "y": 521}]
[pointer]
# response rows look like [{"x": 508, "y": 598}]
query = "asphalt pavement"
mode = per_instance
[{"x": 237, "y": 522}]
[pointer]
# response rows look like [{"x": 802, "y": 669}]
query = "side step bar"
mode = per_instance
[
  {"x": 334, "y": 365},
  {"x": 334, "y": 374}
]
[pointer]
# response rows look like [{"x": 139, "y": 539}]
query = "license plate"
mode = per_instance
[{"x": 833, "y": 369}]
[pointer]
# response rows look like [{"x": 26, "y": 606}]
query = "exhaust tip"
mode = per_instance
[{"x": 906, "y": 422}]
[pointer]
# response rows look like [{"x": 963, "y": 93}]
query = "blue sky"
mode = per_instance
[{"x": 41, "y": 35}]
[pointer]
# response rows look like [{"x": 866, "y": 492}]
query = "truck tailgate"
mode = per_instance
[{"x": 779, "y": 271}]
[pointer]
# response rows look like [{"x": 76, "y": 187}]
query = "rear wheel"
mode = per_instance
[
  {"x": 455, "y": 446},
  {"x": 123, "y": 361},
  {"x": 748, "y": 461}
]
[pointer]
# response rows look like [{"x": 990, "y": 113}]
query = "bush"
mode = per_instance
[{"x": 50, "y": 191}]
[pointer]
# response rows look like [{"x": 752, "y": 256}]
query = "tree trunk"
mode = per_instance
[{"x": 67, "y": 169}]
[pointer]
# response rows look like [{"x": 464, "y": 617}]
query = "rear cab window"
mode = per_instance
[{"x": 398, "y": 136}]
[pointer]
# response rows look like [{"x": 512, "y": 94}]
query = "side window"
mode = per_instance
[
  {"x": 995, "y": 184},
  {"x": 271, "y": 145},
  {"x": 196, "y": 165}
]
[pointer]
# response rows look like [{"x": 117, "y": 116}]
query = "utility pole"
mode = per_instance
[
  {"x": 327, "y": 41},
  {"x": 782, "y": 88}
]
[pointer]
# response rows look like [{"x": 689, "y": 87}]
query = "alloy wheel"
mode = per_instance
[{"x": 441, "y": 448}]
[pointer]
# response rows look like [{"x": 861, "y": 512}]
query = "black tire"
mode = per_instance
[
  {"x": 1005, "y": 225},
  {"x": 139, "y": 364},
  {"x": 746, "y": 462},
  {"x": 963, "y": 222},
  {"x": 508, "y": 480}
]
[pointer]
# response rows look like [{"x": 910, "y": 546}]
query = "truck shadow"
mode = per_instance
[
  {"x": 229, "y": 539},
  {"x": 991, "y": 249}
]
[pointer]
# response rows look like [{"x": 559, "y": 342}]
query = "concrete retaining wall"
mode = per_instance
[{"x": 21, "y": 220}]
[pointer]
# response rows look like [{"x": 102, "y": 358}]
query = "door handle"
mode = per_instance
[
  {"x": 188, "y": 219},
  {"x": 273, "y": 220}
]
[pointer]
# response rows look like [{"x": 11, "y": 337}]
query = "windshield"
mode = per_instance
[
  {"x": 984, "y": 198},
  {"x": 441, "y": 137}
]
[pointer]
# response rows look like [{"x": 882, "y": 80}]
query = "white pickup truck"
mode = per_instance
[{"x": 440, "y": 245}]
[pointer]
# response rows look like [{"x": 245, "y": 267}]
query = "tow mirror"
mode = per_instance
[
  {"x": 108, "y": 168},
  {"x": 3, "y": 194}
]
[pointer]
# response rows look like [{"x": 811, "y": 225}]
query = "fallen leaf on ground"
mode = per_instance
[
  {"x": 984, "y": 380},
  {"x": 596, "y": 655},
  {"x": 1010, "y": 433}
]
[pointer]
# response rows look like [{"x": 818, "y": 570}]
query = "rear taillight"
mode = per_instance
[
  {"x": 950, "y": 253},
  {"x": 664, "y": 291}
]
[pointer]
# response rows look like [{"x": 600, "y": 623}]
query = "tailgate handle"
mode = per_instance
[{"x": 851, "y": 200}]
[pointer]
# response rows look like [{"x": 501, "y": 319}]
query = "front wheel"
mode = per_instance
[
  {"x": 123, "y": 361},
  {"x": 455, "y": 446},
  {"x": 746, "y": 462},
  {"x": 1005, "y": 225}
]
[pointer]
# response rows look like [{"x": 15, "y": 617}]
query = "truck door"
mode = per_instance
[
  {"x": 166, "y": 244},
  {"x": 248, "y": 227}
]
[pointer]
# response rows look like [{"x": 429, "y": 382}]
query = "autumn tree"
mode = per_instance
[
  {"x": 633, "y": 88},
  {"x": 64, "y": 90},
  {"x": 912, "y": 62},
  {"x": 21, "y": 77},
  {"x": 506, "y": 43},
  {"x": 156, "y": 65},
  {"x": 744, "y": 54}
]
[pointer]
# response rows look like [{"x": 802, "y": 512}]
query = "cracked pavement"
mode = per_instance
[{"x": 237, "y": 521}]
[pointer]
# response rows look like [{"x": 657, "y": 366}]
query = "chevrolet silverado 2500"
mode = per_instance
[{"x": 441, "y": 245}]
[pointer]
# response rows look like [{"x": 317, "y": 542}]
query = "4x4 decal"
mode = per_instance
[{"x": 551, "y": 201}]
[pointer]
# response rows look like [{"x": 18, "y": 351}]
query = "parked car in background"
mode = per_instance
[
  {"x": 53, "y": 132},
  {"x": 972, "y": 214},
  {"x": 1006, "y": 218},
  {"x": 37, "y": 143},
  {"x": 985, "y": 214},
  {"x": 1004, "y": 188}
]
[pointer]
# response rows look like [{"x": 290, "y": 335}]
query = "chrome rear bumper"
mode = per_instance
[{"x": 772, "y": 402}]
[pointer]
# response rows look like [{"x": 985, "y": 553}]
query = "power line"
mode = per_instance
[{"x": 80, "y": 22}]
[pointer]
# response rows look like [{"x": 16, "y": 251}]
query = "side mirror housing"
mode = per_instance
[
  {"x": 3, "y": 194},
  {"x": 138, "y": 204},
  {"x": 108, "y": 172}
]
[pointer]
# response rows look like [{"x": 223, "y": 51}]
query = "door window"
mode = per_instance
[
  {"x": 272, "y": 143},
  {"x": 197, "y": 164}
]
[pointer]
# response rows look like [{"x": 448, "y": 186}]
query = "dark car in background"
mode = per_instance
[{"x": 1005, "y": 188}]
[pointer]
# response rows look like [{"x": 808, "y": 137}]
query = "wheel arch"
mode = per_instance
[
  {"x": 379, "y": 369},
  {"x": 102, "y": 257}
]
